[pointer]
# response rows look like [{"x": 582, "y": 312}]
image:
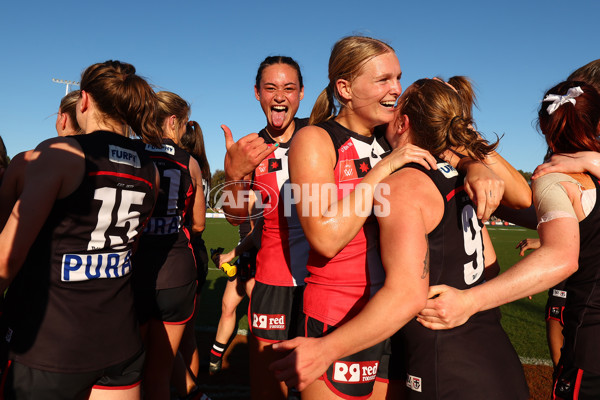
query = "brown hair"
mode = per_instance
[
  {"x": 464, "y": 87},
  {"x": 122, "y": 95},
  {"x": 438, "y": 119},
  {"x": 68, "y": 105},
  {"x": 347, "y": 58},
  {"x": 589, "y": 73},
  {"x": 169, "y": 104},
  {"x": 192, "y": 141}
]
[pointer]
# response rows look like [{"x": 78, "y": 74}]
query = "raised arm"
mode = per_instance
[
  {"x": 570, "y": 163},
  {"x": 405, "y": 255},
  {"x": 517, "y": 193},
  {"x": 241, "y": 159},
  {"x": 554, "y": 261},
  {"x": 491, "y": 182},
  {"x": 330, "y": 222}
]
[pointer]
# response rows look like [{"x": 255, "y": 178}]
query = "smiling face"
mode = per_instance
[
  {"x": 372, "y": 94},
  {"x": 279, "y": 95}
]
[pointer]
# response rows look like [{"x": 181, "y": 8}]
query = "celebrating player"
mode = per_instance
[{"x": 71, "y": 324}]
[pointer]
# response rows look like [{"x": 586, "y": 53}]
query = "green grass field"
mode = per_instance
[{"x": 523, "y": 320}]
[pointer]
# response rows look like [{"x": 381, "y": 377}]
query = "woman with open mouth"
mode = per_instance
[{"x": 275, "y": 312}]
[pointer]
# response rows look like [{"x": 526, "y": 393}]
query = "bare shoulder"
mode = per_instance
[
  {"x": 410, "y": 182},
  {"x": 412, "y": 193},
  {"x": 312, "y": 146},
  {"x": 57, "y": 162},
  {"x": 57, "y": 147},
  {"x": 310, "y": 135}
]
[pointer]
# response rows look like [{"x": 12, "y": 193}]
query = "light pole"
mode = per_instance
[{"x": 68, "y": 83}]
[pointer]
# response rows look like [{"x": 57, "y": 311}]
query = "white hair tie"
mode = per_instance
[{"x": 558, "y": 100}]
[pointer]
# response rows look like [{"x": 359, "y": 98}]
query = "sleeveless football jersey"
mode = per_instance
[
  {"x": 338, "y": 288},
  {"x": 582, "y": 309},
  {"x": 283, "y": 253},
  {"x": 70, "y": 307},
  {"x": 475, "y": 360},
  {"x": 164, "y": 254}
]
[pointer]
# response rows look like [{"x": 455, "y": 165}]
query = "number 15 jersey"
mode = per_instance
[{"x": 70, "y": 307}]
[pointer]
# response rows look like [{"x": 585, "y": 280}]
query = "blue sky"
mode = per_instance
[{"x": 208, "y": 52}]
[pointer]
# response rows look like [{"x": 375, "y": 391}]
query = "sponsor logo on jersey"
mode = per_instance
[
  {"x": 85, "y": 267},
  {"x": 263, "y": 168},
  {"x": 355, "y": 372},
  {"x": 346, "y": 146},
  {"x": 354, "y": 169},
  {"x": 267, "y": 166},
  {"x": 559, "y": 293},
  {"x": 166, "y": 148},
  {"x": 163, "y": 225},
  {"x": 447, "y": 170},
  {"x": 120, "y": 155},
  {"x": 414, "y": 383},
  {"x": 274, "y": 164},
  {"x": 275, "y": 322}
]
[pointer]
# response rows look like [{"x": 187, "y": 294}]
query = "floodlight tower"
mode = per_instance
[{"x": 68, "y": 83}]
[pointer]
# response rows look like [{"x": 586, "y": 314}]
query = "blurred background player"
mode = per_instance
[
  {"x": 187, "y": 363},
  {"x": 165, "y": 281},
  {"x": 238, "y": 286}
]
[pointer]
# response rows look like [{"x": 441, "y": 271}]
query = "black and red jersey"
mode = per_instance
[
  {"x": 475, "y": 360},
  {"x": 70, "y": 307},
  {"x": 339, "y": 287},
  {"x": 582, "y": 309},
  {"x": 283, "y": 253},
  {"x": 164, "y": 254}
]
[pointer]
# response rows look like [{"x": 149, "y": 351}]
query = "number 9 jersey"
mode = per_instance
[
  {"x": 476, "y": 360},
  {"x": 70, "y": 307}
]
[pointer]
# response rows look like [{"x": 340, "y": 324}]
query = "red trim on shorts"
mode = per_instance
[
  {"x": 578, "y": 384},
  {"x": 560, "y": 368},
  {"x": 121, "y": 175},
  {"x": 267, "y": 340},
  {"x": 383, "y": 380},
  {"x": 117, "y": 387},
  {"x": 343, "y": 395},
  {"x": 3, "y": 380},
  {"x": 454, "y": 192},
  {"x": 185, "y": 321}
]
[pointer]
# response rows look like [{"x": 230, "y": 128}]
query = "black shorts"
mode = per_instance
[
  {"x": 573, "y": 383},
  {"x": 275, "y": 312},
  {"x": 201, "y": 257},
  {"x": 473, "y": 361},
  {"x": 393, "y": 360},
  {"x": 351, "y": 377},
  {"x": 555, "y": 306},
  {"x": 23, "y": 382},
  {"x": 172, "y": 306}
]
